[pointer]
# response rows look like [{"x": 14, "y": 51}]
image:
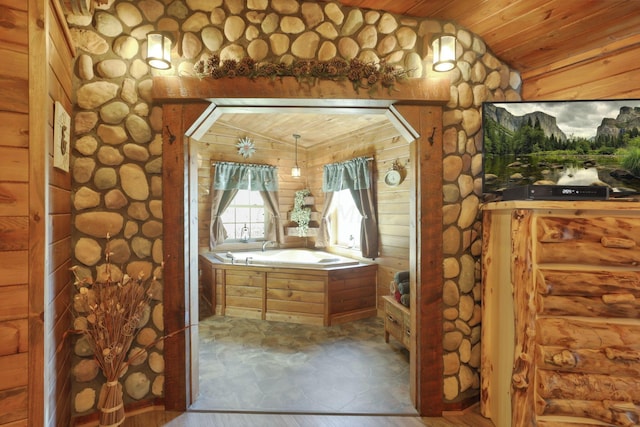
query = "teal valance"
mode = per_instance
[
  {"x": 245, "y": 176},
  {"x": 353, "y": 174}
]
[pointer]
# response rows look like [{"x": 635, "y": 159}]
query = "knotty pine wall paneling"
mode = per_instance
[
  {"x": 14, "y": 215},
  {"x": 35, "y": 216},
  {"x": 611, "y": 74}
]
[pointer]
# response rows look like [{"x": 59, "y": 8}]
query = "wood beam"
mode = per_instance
[{"x": 184, "y": 89}]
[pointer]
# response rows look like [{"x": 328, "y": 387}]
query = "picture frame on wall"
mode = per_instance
[{"x": 61, "y": 137}]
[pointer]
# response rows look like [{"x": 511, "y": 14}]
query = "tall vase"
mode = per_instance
[{"x": 111, "y": 405}]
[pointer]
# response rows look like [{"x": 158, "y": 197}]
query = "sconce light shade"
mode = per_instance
[
  {"x": 444, "y": 53},
  {"x": 159, "y": 50}
]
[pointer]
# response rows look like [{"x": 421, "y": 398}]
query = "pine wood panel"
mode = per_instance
[
  {"x": 14, "y": 266},
  {"x": 12, "y": 371},
  {"x": 12, "y": 200},
  {"x": 14, "y": 406},
  {"x": 14, "y": 130},
  {"x": 14, "y": 161},
  {"x": 13, "y": 302},
  {"x": 294, "y": 281},
  {"x": 13, "y": 337},
  {"x": 13, "y": 72},
  {"x": 294, "y": 296},
  {"x": 15, "y": 23},
  {"x": 14, "y": 233},
  {"x": 15, "y": 227},
  {"x": 598, "y": 78}
]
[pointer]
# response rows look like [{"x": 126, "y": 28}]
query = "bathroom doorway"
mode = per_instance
[
  {"x": 182, "y": 119},
  {"x": 250, "y": 365}
]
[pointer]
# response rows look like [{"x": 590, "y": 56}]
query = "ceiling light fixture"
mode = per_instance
[
  {"x": 444, "y": 53},
  {"x": 159, "y": 50},
  {"x": 295, "y": 171}
]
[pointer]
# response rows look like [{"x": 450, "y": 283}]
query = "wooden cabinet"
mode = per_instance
[
  {"x": 311, "y": 296},
  {"x": 563, "y": 278},
  {"x": 397, "y": 321}
]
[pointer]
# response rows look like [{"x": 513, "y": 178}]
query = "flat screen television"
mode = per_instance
[{"x": 575, "y": 143}]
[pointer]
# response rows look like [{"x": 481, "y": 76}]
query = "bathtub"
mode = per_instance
[
  {"x": 297, "y": 258},
  {"x": 289, "y": 285}
]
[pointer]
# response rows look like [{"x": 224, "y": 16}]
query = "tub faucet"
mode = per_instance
[{"x": 264, "y": 245}]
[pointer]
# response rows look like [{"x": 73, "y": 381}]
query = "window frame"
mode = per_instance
[
  {"x": 337, "y": 203},
  {"x": 266, "y": 218}
]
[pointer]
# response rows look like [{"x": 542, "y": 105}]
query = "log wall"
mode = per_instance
[
  {"x": 566, "y": 288},
  {"x": 35, "y": 217}
]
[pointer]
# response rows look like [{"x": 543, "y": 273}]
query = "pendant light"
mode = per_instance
[{"x": 295, "y": 171}]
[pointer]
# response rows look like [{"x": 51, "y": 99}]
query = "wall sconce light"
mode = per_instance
[
  {"x": 444, "y": 53},
  {"x": 159, "y": 50},
  {"x": 295, "y": 171}
]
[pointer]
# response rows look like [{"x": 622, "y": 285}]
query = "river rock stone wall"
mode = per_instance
[{"x": 117, "y": 148}]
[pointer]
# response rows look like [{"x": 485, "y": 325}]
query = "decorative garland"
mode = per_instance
[{"x": 360, "y": 74}]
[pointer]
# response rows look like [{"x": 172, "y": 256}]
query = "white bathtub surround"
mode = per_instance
[{"x": 297, "y": 258}]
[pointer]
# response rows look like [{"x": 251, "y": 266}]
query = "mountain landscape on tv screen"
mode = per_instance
[{"x": 583, "y": 143}]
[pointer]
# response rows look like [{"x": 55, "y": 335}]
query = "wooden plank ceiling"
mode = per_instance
[{"x": 532, "y": 36}]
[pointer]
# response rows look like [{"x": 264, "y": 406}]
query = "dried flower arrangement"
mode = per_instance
[
  {"x": 109, "y": 315},
  {"x": 360, "y": 74}
]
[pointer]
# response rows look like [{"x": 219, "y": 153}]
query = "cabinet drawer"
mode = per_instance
[
  {"x": 396, "y": 320},
  {"x": 589, "y": 240},
  {"x": 393, "y": 325}
]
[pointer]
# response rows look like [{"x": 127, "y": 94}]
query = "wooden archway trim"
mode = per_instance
[{"x": 183, "y": 102}]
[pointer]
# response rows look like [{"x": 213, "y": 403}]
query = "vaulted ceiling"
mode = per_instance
[{"x": 531, "y": 36}]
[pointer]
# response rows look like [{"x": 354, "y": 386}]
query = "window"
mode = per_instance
[
  {"x": 246, "y": 210},
  {"x": 346, "y": 219}
]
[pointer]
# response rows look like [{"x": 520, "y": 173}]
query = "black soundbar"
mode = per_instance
[{"x": 556, "y": 192}]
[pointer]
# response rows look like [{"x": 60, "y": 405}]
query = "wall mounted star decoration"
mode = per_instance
[{"x": 245, "y": 147}]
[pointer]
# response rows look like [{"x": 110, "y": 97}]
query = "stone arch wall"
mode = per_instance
[{"x": 117, "y": 145}]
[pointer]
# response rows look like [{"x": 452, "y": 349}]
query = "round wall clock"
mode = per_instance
[{"x": 392, "y": 178}]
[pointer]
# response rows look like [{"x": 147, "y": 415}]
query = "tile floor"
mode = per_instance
[{"x": 254, "y": 365}]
